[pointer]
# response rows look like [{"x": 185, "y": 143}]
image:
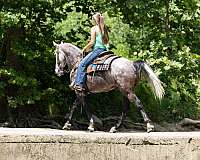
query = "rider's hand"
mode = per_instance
[{"x": 83, "y": 50}]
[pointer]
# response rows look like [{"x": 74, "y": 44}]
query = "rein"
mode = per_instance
[
  {"x": 75, "y": 65},
  {"x": 68, "y": 59}
]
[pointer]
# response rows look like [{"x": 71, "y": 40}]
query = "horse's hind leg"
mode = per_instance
[
  {"x": 123, "y": 115},
  {"x": 133, "y": 97}
]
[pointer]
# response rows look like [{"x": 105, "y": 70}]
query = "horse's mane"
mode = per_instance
[{"x": 70, "y": 48}]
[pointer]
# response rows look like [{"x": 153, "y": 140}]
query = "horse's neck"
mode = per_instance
[
  {"x": 74, "y": 57},
  {"x": 74, "y": 63}
]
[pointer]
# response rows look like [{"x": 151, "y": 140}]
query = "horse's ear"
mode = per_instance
[{"x": 55, "y": 44}]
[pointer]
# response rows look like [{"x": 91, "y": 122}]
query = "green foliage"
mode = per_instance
[
  {"x": 163, "y": 33},
  {"x": 26, "y": 79},
  {"x": 180, "y": 74}
]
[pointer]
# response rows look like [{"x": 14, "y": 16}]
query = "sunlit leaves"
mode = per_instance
[{"x": 163, "y": 33}]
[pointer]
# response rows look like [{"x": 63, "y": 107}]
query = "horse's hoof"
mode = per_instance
[
  {"x": 67, "y": 126},
  {"x": 150, "y": 127},
  {"x": 91, "y": 129},
  {"x": 113, "y": 130}
]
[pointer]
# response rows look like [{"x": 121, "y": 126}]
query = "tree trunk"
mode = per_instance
[
  {"x": 167, "y": 25},
  {"x": 5, "y": 48},
  {"x": 3, "y": 109}
]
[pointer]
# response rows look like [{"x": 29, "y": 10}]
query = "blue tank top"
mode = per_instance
[{"x": 98, "y": 41}]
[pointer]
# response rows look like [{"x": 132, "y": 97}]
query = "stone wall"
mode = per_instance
[{"x": 49, "y": 144}]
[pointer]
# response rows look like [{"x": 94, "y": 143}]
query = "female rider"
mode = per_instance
[{"x": 99, "y": 40}]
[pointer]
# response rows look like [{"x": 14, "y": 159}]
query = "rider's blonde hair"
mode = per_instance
[{"x": 99, "y": 19}]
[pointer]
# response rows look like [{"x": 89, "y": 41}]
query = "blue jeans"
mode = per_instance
[{"x": 81, "y": 74}]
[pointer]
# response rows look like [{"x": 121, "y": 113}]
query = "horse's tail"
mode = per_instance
[{"x": 152, "y": 79}]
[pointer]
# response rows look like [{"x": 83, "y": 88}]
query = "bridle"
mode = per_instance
[{"x": 59, "y": 70}]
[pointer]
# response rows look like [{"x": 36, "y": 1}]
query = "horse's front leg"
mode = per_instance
[
  {"x": 89, "y": 114},
  {"x": 140, "y": 107},
  {"x": 67, "y": 125},
  {"x": 123, "y": 115}
]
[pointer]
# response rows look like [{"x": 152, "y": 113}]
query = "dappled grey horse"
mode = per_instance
[{"x": 123, "y": 75}]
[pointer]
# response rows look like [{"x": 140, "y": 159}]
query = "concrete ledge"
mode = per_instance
[{"x": 49, "y": 144}]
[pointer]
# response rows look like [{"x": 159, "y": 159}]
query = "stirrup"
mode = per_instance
[
  {"x": 71, "y": 86},
  {"x": 78, "y": 88}
]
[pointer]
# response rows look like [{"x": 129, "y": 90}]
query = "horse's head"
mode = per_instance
[
  {"x": 65, "y": 53},
  {"x": 60, "y": 60}
]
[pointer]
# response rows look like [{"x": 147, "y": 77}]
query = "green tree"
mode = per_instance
[{"x": 163, "y": 33}]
